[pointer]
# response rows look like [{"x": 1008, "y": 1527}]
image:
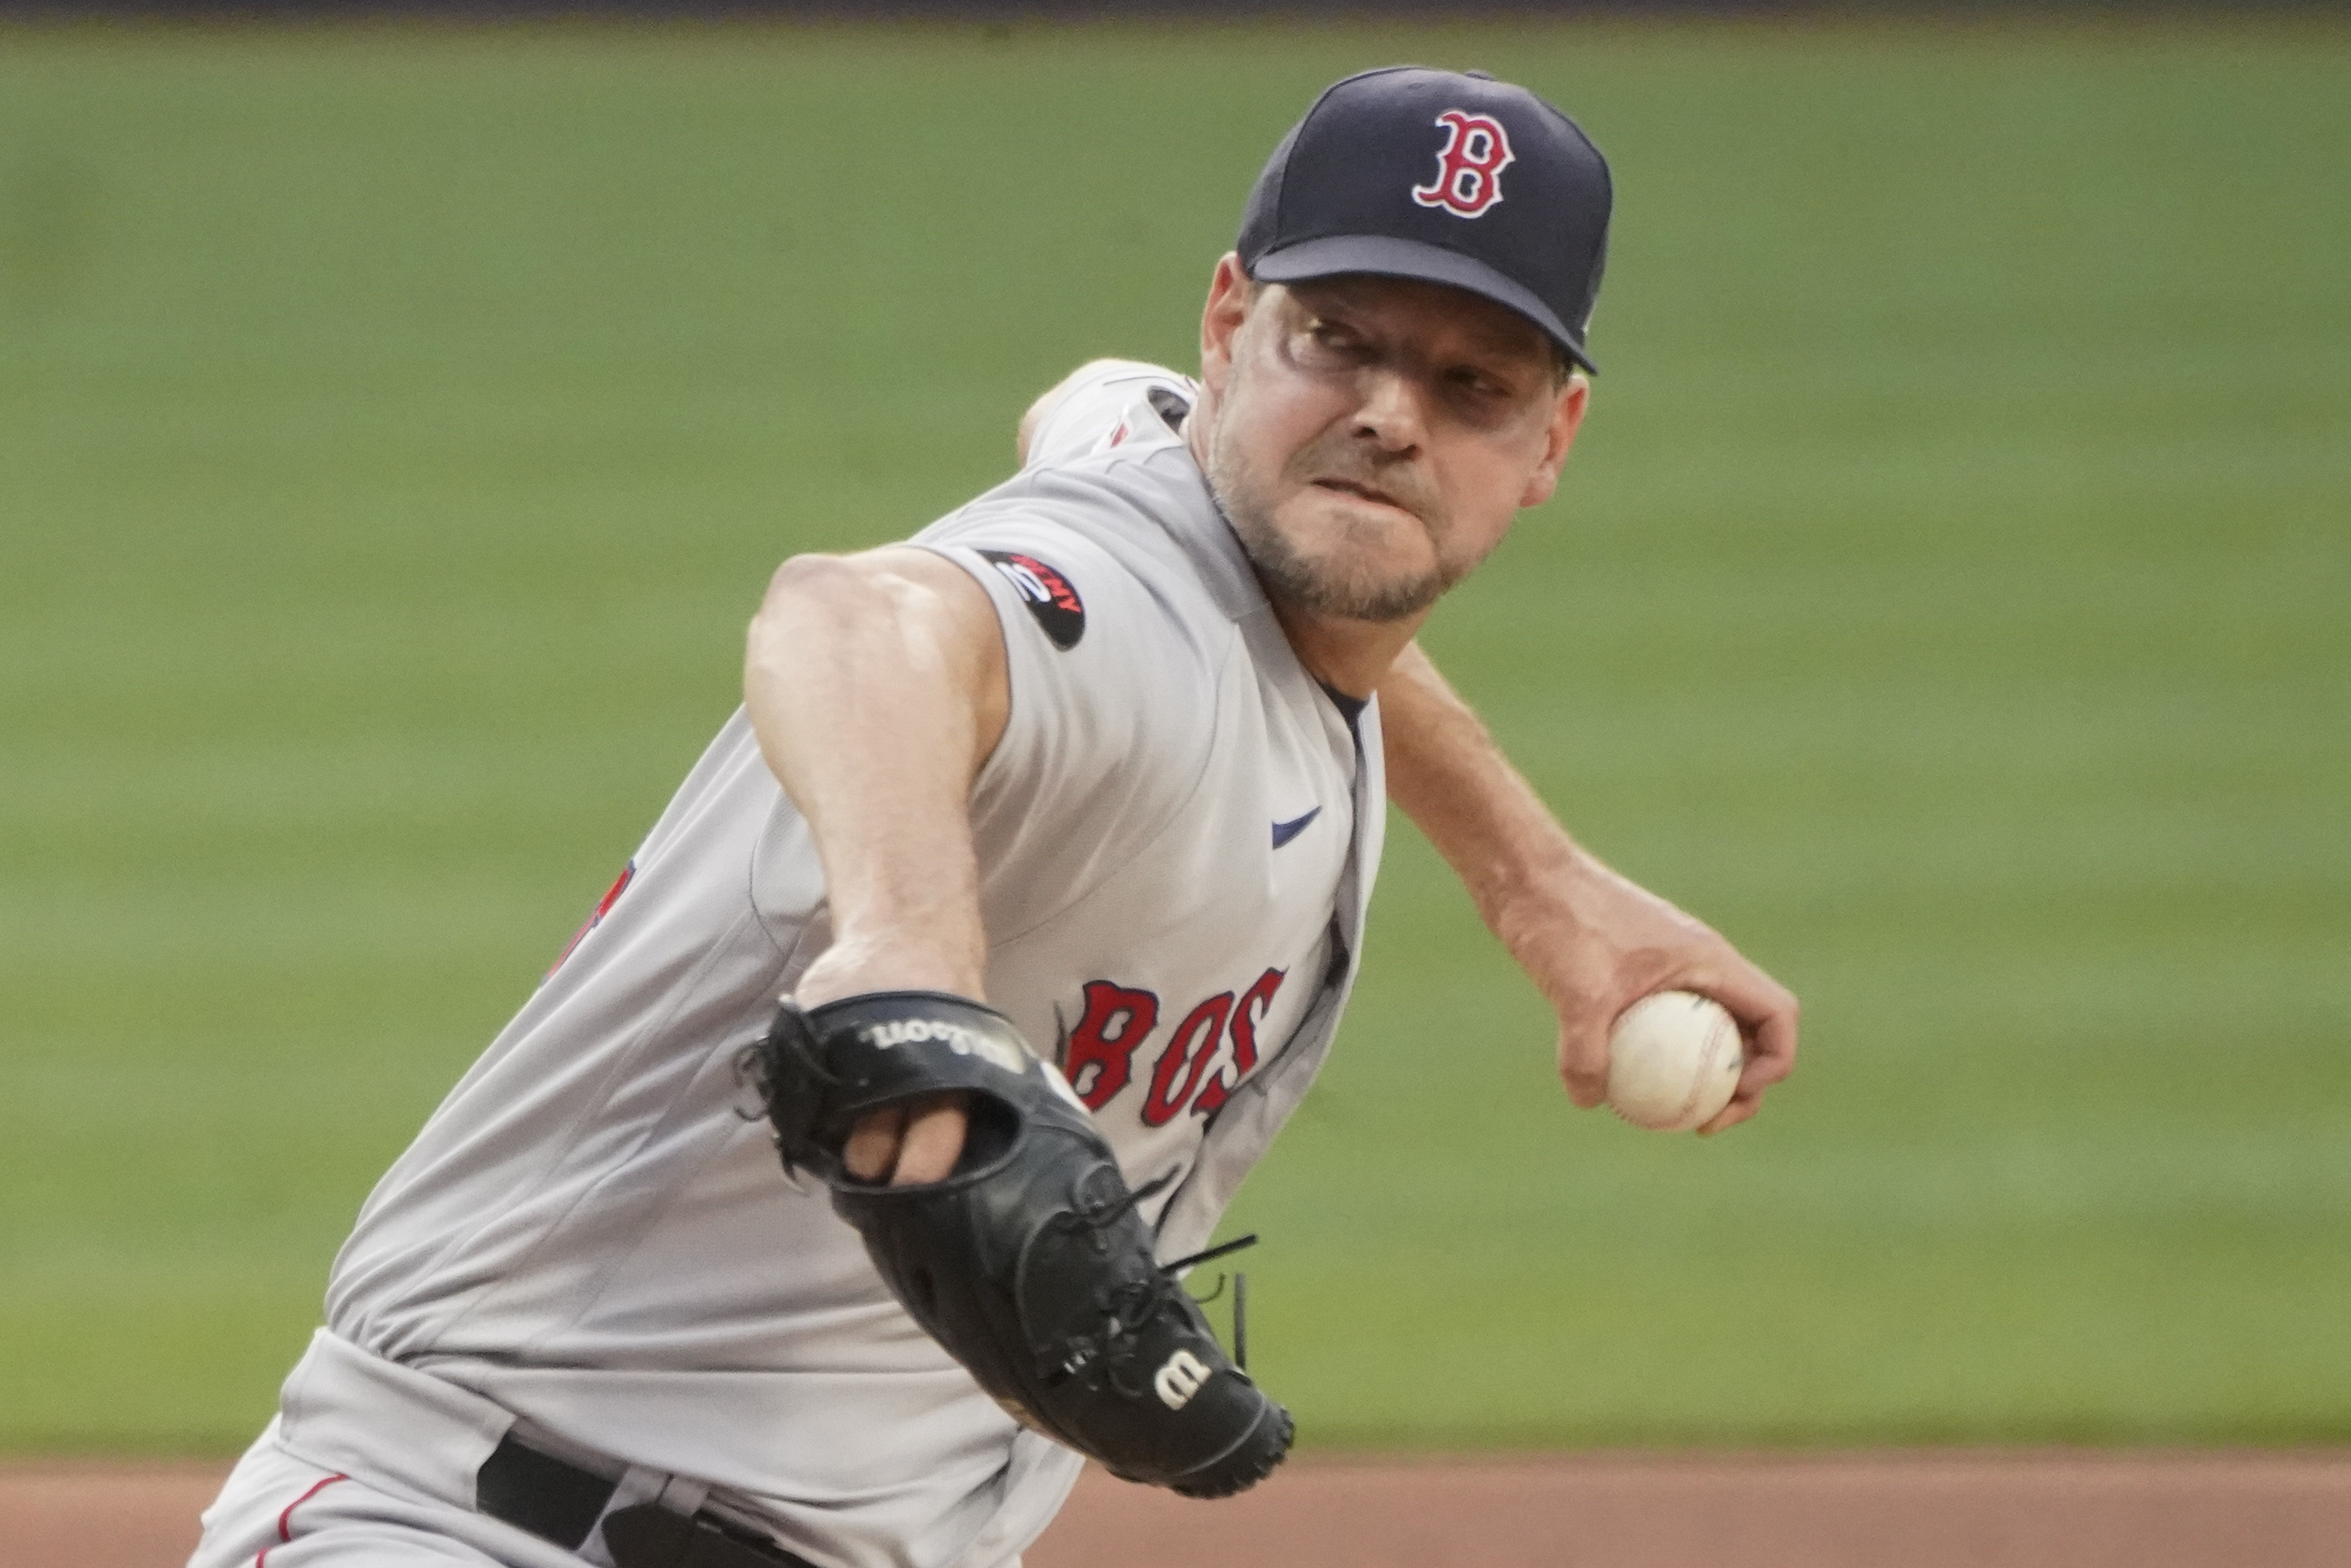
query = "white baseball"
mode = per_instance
[{"x": 1672, "y": 1060}]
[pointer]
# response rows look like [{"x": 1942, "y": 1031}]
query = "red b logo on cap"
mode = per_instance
[{"x": 1468, "y": 166}]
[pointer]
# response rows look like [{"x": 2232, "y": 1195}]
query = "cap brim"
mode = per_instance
[{"x": 1385, "y": 256}]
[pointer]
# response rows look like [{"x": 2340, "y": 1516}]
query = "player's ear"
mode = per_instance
[
  {"x": 1566, "y": 418},
  {"x": 1220, "y": 319}
]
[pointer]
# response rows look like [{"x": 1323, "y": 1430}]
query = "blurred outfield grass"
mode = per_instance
[{"x": 396, "y": 428}]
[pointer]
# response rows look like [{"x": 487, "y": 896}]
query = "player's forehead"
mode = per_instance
[{"x": 1438, "y": 313}]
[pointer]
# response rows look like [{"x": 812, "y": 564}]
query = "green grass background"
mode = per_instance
[{"x": 1948, "y": 600}]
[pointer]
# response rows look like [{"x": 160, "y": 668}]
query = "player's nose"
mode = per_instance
[{"x": 1389, "y": 412}]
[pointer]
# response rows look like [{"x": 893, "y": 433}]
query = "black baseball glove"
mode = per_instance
[{"x": 1028, "y": 1263}]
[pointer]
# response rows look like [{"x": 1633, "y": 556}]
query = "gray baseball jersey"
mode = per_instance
[{"x": 1177, "y": 836}]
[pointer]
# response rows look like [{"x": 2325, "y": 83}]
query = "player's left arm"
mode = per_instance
[{"x": 1593, "y": 942}]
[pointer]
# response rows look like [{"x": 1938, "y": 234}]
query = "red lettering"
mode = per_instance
[
  {"x": 1050, "y": 584},
  {"x": 1102, "y": 1047},
  {"x": 1248, "y": 1013},
  {"x": 1188, "y": 1054}
]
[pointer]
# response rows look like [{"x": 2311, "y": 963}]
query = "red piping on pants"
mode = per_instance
[{"x": 285, "y": 1520}]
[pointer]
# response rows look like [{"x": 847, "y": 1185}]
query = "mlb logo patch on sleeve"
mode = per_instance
[{"x": 1047, "y": 594}]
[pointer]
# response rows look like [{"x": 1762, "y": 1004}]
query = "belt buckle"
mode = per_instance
[
  {"x": 647, "y": 1535},
  {"x": 561, "y": 1501}
]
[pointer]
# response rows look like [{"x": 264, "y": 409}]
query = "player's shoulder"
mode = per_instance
[
  {"x": 1105, "y": 404},
  {"x": 1115, "y": 660},
  {"x": 1107, "y": 542},
  {"x": 1083, "y": 567}
]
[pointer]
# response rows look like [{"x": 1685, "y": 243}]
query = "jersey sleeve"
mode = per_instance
[
  {"x": 1113, "y": 702},
  {"x": 1105, "y": 403}
]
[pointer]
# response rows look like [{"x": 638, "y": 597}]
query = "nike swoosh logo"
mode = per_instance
[{"x": 1285, "y": 831}]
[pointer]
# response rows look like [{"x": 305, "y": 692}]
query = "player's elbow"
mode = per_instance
[
  {"x": 843, "y": 602},
  {"x": 808, "y": 577},
  {"x": 802, "y": 591}
]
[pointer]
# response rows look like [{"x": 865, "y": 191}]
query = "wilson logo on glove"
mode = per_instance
[
  {"x": 955, "y": 1037},
  {"x": 1179, "y": 1379}
]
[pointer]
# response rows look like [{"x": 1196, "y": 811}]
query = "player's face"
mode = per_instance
[{"x": 1371, "y": 438}]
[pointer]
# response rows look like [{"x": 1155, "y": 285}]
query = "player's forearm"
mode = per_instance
[
  {"x": 862, "y": 686},
  {"x": 1446, "y": 772}
]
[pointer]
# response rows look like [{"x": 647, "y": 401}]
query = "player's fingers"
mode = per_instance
[
  {"x": 1742, "y": 1105},
  {"x": 1584, "y": 1061},
  {"x": 1771, "y": 1049},
  {"x": 872, "y": 1145},
  {"x": 934, "y": 1135},
  {"x": 1771, "y": 1057},
  {"x": 1746, "y": 992},
  {"x": 1766, "y": 1011}
]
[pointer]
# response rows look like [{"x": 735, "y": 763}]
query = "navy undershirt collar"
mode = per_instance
[{"x": 1350, "y": 708}]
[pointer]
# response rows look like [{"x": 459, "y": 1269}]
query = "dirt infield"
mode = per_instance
[{"x": 1904, "y": 1510}]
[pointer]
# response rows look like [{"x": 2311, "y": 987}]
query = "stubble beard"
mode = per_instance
[{"x": 1322, "y": 586}]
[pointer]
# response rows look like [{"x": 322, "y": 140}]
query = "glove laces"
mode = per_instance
[{"x": 1127, "y": 1308}]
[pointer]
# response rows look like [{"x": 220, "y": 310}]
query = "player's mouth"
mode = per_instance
[{"x": 1362, "y": 492}]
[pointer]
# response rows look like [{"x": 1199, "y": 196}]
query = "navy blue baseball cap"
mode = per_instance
[{"x": 1444, "y": 176}]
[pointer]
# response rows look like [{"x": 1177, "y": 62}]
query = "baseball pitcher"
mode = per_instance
[{"x": 827, "y": 1203}]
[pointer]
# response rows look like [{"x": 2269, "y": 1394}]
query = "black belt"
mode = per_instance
[{"x": 559, "y": 1501}]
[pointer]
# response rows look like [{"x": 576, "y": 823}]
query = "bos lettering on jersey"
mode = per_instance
[
  {"x": 1468, "y": 166},
  {"x": 1098, "y": 1058},
  {"x": 1046, "y": 594}
]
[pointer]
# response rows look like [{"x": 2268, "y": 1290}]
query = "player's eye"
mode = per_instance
[
  {"x": 1470, "y": 380},
  {"x": 1333, "y": 337},
  {"x": 1480, "y": 397}
]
